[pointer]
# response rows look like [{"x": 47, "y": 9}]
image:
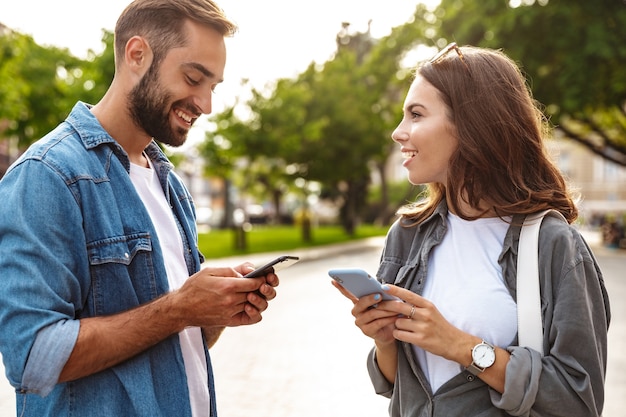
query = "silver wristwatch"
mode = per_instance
[{"x": 483, "y": 356}]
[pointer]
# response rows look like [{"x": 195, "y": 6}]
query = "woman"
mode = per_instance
[{"x": 472, "y": 132}]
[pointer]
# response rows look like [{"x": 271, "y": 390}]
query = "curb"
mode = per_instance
[
  {"x": 318, "y": 252},
  {"x": 305, "y": 254}
]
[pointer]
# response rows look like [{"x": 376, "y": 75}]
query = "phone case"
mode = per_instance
[
  {"x": 359, "y": 282},
  {"x": 277, "y": 264}
]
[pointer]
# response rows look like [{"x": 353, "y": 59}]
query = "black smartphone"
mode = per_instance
[{"x": 277, "y": 264}]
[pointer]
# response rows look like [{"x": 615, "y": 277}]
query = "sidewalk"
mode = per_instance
[{"x": 307, "y": 350}]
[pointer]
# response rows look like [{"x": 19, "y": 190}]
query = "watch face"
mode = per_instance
[{"x": 483, "y": 355}]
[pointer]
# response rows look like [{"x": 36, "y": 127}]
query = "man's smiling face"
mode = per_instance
[{"x": 175, "y": 92}]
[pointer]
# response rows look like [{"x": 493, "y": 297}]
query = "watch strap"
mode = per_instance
[{"x": 474, "y": 369}]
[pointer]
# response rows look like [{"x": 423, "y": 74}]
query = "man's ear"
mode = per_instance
[{"x": 138, "y": 55}]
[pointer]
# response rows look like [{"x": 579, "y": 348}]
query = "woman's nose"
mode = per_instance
[{"x": 399, "y": 135}]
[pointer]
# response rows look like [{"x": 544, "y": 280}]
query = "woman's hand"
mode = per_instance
[
  {"x": 420, "y": 323},
  {"x": 372, "y": 317}
]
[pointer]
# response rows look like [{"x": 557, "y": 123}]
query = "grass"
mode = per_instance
[{"x": 221, "y": 243}]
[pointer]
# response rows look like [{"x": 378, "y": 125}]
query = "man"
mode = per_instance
[{"x": 104, "y": 310}]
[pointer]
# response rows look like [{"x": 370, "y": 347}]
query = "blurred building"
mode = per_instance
[
  {"x": 8, "y": 149},
  {"x": 5, "y": 159},
  {"x": 601, "y": 183}
]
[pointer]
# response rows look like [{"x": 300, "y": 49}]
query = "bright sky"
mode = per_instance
[{"x": 276, "y": 38}]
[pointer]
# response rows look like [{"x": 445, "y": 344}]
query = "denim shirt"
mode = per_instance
[
  {"x": 567, "y": 381},
  {"x": 76, "y": 241}
]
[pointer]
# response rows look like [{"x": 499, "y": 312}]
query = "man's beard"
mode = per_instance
[{"x": 149, "y": 108}]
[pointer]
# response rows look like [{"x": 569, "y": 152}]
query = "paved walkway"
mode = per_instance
[{"x": 291, "y": 364}]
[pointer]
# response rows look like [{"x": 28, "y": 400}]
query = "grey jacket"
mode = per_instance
[{"x": 567, "y": 381}]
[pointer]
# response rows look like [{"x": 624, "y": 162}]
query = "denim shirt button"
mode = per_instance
[
  {"x": 126, "y": 255},
  {"x": 470, "y": 377}
]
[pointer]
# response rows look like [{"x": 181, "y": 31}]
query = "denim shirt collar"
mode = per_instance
[
  {"x": 92, "y": 134},
  {"x": 88, "y": 127}
]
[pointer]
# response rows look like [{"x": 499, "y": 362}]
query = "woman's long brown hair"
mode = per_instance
[{"x": 501, "y": 163}]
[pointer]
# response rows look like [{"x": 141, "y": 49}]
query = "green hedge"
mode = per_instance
[{"x": 221, "y": 243}]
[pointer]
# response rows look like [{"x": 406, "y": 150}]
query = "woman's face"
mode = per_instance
[{"x": 425, "y": 134}]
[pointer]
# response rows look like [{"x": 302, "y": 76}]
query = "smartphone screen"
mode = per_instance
[{"x": 275, "y": 265}]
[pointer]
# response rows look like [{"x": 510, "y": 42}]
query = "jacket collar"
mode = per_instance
[{"x": 92, "y": 134}]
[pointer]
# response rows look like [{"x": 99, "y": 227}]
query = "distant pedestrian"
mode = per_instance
[
  {"x": 472, "y": 132},
  {"x": 612, "y": 232}
]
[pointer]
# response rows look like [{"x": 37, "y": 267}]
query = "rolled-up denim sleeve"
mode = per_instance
[
  {"x": 48, "y": 356},
  {"x": 44, "y": 277}
]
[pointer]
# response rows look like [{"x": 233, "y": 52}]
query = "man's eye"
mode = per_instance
[{"x": 192, "y": 81}]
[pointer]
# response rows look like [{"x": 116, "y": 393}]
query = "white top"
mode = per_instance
[
  {"x": 464, "y": 281},
  {"x": 149, "y": 189}
]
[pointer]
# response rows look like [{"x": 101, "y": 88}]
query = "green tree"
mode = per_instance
[
  {"x": 331, "y": 124},
  {"x": 250, "y": 152},
  {"x": 220, "y": 158},
  {"x": 31, "y": 76},
  {"x": 96, "y": 74},
  {"x": 572, "y": 52},
  {"x": 39, "y": 85}
]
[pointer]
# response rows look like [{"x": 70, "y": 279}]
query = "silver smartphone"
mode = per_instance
[
  {"x": 277, "y": 264},
  {"x": 359, "y": 282}
]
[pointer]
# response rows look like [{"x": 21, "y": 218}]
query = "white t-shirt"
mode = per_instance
[
  {"x": 149, "y": 189},
  {"x": 464, "y": 281}
]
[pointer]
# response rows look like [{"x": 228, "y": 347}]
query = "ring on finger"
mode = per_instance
[{"x": 410, "y": 316}]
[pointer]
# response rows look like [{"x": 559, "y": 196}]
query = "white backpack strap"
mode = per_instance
[{"x": 529, "y": 321}]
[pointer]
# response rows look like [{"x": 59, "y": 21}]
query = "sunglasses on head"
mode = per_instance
[{"x": 450, "y": 47}]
